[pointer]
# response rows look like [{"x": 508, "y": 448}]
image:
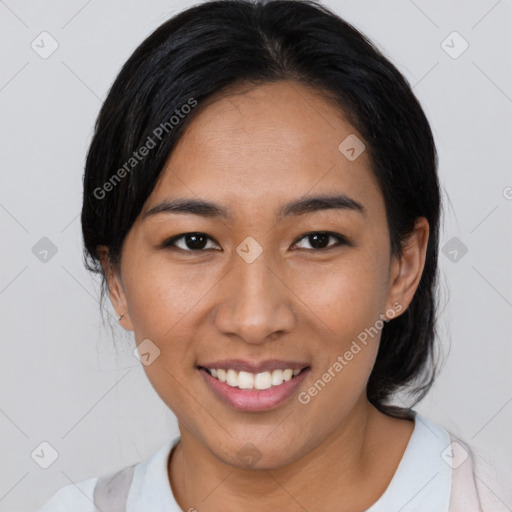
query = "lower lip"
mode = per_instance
[{"x": 254, "y": 399}]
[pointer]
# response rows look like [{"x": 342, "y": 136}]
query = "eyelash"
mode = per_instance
[{"x": 169, "y": 244}]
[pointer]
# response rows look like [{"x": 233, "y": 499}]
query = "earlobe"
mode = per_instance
[
  {"x": 115, "y": 289},
  {"x": 407, "y": 270}
]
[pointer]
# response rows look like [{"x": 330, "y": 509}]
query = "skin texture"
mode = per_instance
[{"x": 252, "y": 151}]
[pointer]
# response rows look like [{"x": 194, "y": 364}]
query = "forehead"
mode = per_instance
[{"x": 252, "y": 146}]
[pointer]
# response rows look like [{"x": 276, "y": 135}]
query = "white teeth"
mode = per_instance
[
  {"x": 245, "y": 380},
  {"x": 232, "y": 378},
  {"x": 248, "y": 380},
  {"x": 263, "y": 380},
  {"x": 287, "y": 374},
  {"x": 277, "y": 377}
]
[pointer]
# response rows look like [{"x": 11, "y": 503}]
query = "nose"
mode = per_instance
[{"x": 257, "y": 305}]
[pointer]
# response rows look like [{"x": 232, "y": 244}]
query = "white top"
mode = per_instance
[{"x": 421, "y": 483}]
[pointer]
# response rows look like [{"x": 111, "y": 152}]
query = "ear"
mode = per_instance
[
  {"x": 115, "y": 288},
  {"x": 406, "y": 271}
]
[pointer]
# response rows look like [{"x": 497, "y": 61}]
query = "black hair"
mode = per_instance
[{"x": 220, "y": 43}]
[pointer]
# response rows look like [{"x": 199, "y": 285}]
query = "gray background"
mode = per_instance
[{"x": 65, "y": 381}]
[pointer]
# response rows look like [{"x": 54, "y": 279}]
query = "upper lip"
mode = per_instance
[{"x": 268, "y": 365}]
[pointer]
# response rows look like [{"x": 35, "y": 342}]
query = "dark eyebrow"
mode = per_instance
[
  {"x": 191, "y": 206},
  {"x": 300, "y": 206},
  {"x": 321, "y": 202}
]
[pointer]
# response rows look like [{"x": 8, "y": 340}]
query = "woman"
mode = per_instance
[{"x": 261, "y": 199}]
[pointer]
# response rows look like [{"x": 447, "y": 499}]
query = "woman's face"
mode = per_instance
[{"x": 253, "y": 287}]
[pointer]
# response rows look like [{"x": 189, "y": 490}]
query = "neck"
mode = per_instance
[{"x": 338, "y": 470}]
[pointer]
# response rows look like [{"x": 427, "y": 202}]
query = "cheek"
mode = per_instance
[
  {"x": 161, "y": 296},
  {"x": 350, "y": 302},
  {"x": 346, "y": 296},
  {"x": 163, "y": 303},
  {"x": 168, "y": 304}
]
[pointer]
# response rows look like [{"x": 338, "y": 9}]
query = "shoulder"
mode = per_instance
[
  {"x": 93, "y": 494},
  {"x": 77, "y": 497},
  {"x": 476, "y": 481},
  {"x": 492, "y": 483},
  {"x": 137, "y": 484}
]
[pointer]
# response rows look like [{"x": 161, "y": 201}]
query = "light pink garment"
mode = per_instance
[{"x": 476, "y": 487}]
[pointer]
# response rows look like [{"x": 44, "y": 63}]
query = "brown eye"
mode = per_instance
[
  {"x": 319, "y": 240},
  {"x": 189, "y": 242}
]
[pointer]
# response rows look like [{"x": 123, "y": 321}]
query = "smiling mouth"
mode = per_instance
[{"x": 249, "y": 380}]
